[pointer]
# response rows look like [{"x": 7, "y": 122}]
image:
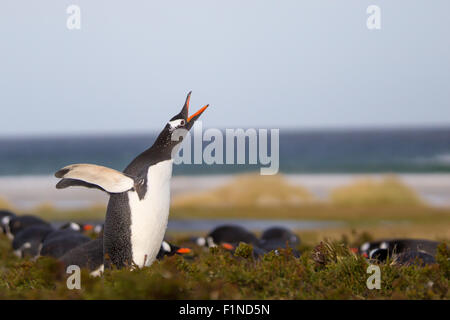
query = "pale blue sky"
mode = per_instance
[{"x": 277, "y": 64}]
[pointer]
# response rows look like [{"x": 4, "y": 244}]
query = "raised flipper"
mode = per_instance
[{"x": 93, "y": 176}]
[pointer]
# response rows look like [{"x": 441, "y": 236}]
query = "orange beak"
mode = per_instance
[
  {"x": 198, "y": 113},
  {"x": 88, "y": 227},
  {"x": 227, "y": 246},
  {"x": 184, "y": 250}
]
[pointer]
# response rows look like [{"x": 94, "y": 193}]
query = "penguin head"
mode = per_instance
[{"x": 178, "y": 126}]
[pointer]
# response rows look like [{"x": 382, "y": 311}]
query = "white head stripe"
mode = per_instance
[
  {"x": 75, "y": 226},
  {"x": 201, "y": 241},
  {"x": 176, "y": 123},
  {"x": 6, "y": 220},
  {"x": 365, "y": 246},
  {"x": 166, "y": 246}
]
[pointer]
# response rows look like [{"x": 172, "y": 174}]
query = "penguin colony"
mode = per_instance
[
  {"x": 71, "y": 243},
  {"x": 71, "y": 246},
  {"x": 137, "y": 215}
]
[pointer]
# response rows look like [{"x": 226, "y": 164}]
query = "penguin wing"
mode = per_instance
[{"x": 93, "y": 176}]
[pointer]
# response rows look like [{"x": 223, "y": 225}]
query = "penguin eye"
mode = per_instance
[{"x": 182, "y": 122}]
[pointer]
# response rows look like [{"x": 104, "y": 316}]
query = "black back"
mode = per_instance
[
  {"x": 34, "y": 235},
  {"x": 58, "y": 246},
  {"x": 402, "y": 245},
  {"x": 413, "y": 257},
  {"x": 280, "y": 234},
  {"x": 19, "y": 223},
  {"x": 232, "y": 234},
  {"x": 87, "y": 255}
]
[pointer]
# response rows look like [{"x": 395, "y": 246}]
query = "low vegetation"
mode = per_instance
[{"x": 327, "y": 271}]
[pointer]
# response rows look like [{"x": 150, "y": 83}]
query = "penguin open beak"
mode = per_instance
[{"x": 185, "y": 112}]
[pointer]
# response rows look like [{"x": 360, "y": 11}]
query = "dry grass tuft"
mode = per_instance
[
  {"x": 248, "y": 190},
  {"x": 5, "y": 204},
  {"x": 386, "y": 192}
]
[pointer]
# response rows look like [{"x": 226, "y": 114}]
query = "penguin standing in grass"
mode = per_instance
[{"x": 139, "y": 197}]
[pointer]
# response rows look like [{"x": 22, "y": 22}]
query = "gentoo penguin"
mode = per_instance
[
  {"x": 405, "y": 258},
  {"x": 168, "y": 249},
  {"x": 368, "y": 247},
  {"x": 399, "y": 245},
  {"x": 275, "y": 245},
  {"x": 280, "y": 234},
  {"x": 227, "y": 234},
  {"x": 139, "y": 198},
  {"x": 80, "y": 227},
  {"x": 88, "y": 255},
  {"x": 5, "y": 217},
  {"x": 414, "y": 257},
  {"x": 402, "y": 245},
  {"x": 27, "y": 242},
  {"x": 19, "y": 223},
  {"x": 57, "y": 246}
]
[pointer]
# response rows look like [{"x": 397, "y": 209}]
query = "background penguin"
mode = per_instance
[
  {"x": 381, "y": 255},
  {"x": 57, "y": 246},
  {"x": 75, "y": 226},
  {"x": 168, "y": 249},
  {"x": 139, "y": 198},
  {"x": 404, "y": 258},
  {"x": 18, "y": 223},
  {"x": 279, "y": 238},
  {"x": 5, "y": 217},
  {"x": 28, "y": 241},
  {"x": 402, "y": 245},
  {"x": 280, "y": 234},
  {"x": 228, "y": 234},
  {"x": 414, "y": 257},
  {"x": 88, "y": 255},
  {"x": 367, "y": 247}
]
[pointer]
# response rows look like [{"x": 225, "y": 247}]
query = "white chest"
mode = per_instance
[{"x": 149, "y": 216}]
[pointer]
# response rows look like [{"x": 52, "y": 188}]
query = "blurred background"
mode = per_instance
[{"x": 364, "y": 115}]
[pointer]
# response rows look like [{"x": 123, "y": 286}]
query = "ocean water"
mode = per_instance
[{"x": 332, "y": 151}]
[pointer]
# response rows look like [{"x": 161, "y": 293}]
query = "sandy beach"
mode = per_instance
[{"x": 26, "y": 192}]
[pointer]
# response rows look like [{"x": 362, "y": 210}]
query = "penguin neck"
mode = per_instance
[{"x": 160, "y": 151}]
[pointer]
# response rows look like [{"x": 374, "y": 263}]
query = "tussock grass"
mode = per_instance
[
  {"x": 386, "y": 192},
  {"x": 48, "y": 212},
  {"x": 4, "y": 204},
  {"x": 248, "y": 190},
  {"x": 328, "y": 271}
]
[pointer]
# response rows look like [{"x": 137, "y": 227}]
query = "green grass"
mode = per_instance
[{"x": 328, "y": 271}]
